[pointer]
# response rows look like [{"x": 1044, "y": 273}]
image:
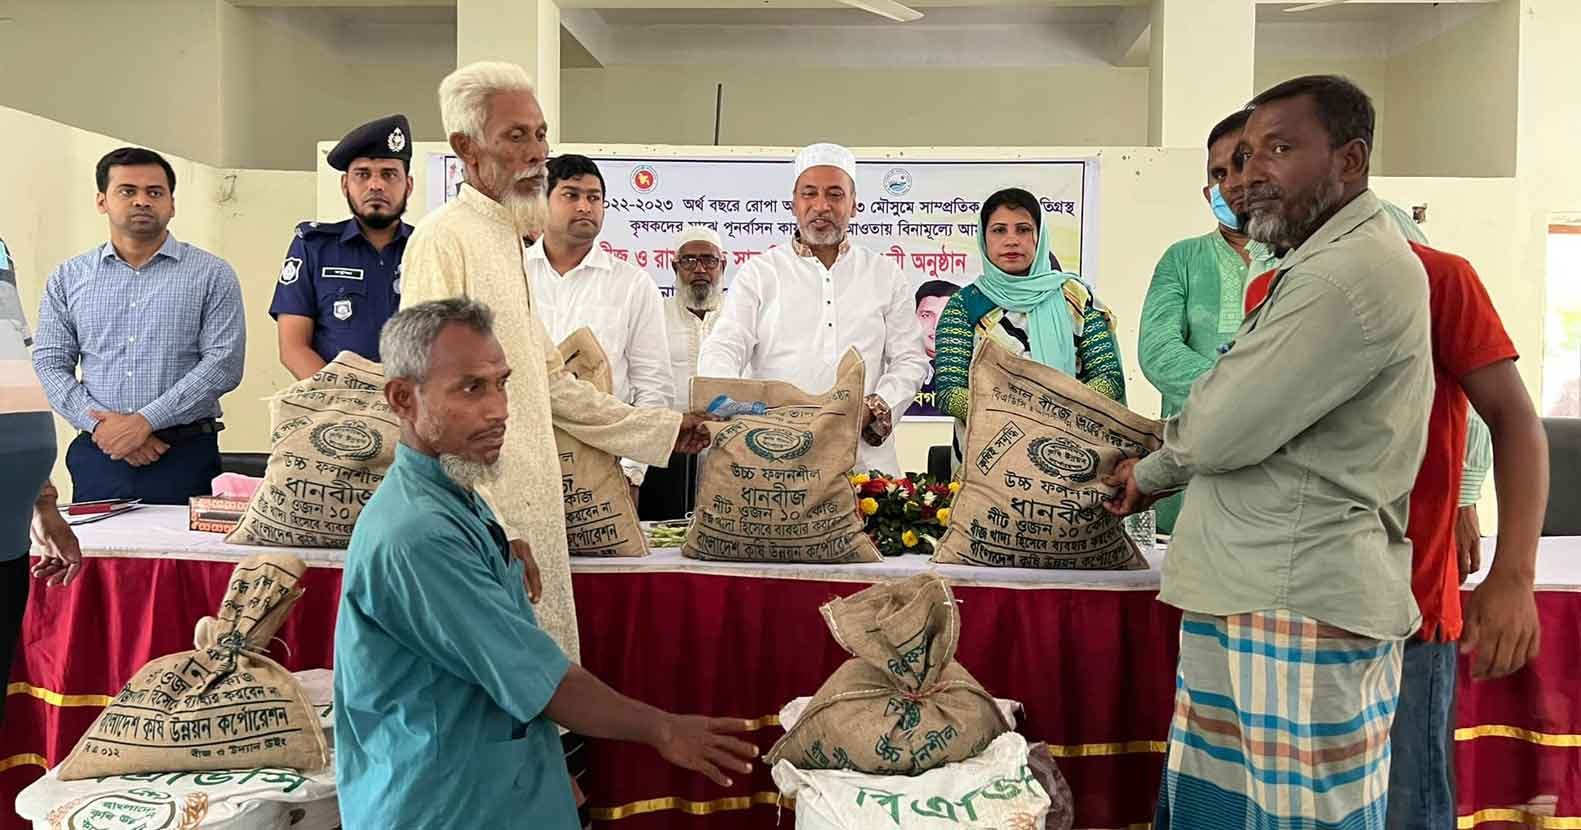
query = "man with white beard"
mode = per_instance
[
  {"x": 689, "y": 316},
  {"x": 448, "y": 692},
  {"x": 471, "y": 247},
  {"x": 792, "y": 312}
]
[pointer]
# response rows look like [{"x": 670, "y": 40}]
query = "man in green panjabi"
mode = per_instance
[{"x": 1194, "y": 304}]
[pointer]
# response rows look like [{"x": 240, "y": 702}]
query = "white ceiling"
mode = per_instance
[{"x": 833, "y": 13}]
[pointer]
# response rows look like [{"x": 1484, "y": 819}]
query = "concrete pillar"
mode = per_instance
[
  {"x": 1201, "y": 54},
  {"x": 520, "y": 31}
]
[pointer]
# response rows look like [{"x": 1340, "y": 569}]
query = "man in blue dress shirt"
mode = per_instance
[
  {"x": 342, "y": 280},
  {"x": 157, "y": 327},
  {"x": 447, "y": 692}
]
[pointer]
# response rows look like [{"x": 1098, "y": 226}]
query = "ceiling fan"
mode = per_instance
[{"x": 886, "y": 8}]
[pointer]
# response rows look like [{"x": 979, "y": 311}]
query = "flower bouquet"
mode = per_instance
[{"x": 904, "y": 515}]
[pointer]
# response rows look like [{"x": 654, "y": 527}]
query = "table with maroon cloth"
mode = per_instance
[{"x": 1090, "y": 655}]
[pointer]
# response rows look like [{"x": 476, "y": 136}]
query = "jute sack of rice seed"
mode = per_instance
[
  {"x": 903, "y": 705},
  {"x": 600, "y": 519},
  {"x": 224, "y": 705},
  {"x": 333, "y": 439},
  {"x": 774, "y": 484},
  {"x": 1038, "y": 445}
]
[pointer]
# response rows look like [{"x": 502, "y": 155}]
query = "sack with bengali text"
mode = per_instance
[
  {"x": 266, "y": 798},
  {"x": 224, "y": 705},
  {"x": 998, "y": 789},
  {"x": 903, "y": 705},
  {"x": 774, "y": 484},
  {"x": 600, "y": 519},
  {"x": 1038, "y": 445},
  {"x": 333, "y": 440}
]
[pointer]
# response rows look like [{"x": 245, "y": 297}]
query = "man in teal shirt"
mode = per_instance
[{"x": 446, "y": 691}]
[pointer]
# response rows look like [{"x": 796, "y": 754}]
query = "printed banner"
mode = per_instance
[{"x": 922, "y": 214}]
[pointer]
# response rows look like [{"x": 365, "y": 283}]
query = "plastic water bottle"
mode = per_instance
[{"x": 726, "y": 407}]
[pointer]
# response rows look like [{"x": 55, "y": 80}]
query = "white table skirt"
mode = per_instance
[{"x": 162, "y": 532}]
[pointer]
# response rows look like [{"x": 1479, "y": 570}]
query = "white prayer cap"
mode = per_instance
[
  {"x": 698, "y": 233},
  {"x": 826, "y": 155}
]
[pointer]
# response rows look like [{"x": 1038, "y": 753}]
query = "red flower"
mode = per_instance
[
  {"x": 939, "y": 489},
  {"x": 875, "y": 487},
  {"x": 905, "y": 483},
  {"x": 928, "y": 512}
]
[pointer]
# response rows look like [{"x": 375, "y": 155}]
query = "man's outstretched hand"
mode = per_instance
[
  {"x": 694, "y": 437},
  {"x": 1130, "y": 499},
  {"x": 705, "y": 745},
  {"x": 877, "y": 421}
]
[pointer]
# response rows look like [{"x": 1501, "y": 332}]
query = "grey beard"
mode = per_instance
[
  {"x": 1272, "y": 228},
  {"x": 700, "y": 295},
  {"x": 468, "y": 474},
  {"x": 833, "y": 236}
]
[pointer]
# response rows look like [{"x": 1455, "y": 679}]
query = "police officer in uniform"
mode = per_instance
[{"x": 342, "y": 280}]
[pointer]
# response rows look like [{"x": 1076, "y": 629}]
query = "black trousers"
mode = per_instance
[
  {"x": 669, "y": 492},
  {"x": 14, "y": 579},
  {"x": 187, "y": 469}
]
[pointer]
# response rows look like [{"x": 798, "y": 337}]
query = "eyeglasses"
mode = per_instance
[{"x": 699, "y": 261}]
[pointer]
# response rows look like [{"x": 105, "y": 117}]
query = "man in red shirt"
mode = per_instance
[{"x": 1473, "y": 359}]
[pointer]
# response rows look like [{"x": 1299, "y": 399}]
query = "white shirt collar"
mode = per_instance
[{"x": 597, "y": 259}]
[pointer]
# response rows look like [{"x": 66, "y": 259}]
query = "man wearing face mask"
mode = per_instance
[
  {"x": 342, "y": 280},
  {"x": 1193, "y": 305},
  {"x": 792, "y": 312}
]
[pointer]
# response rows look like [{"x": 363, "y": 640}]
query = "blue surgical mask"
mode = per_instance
[{"x": 1222, "y": 210}]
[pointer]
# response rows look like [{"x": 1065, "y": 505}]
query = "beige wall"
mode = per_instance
[
  {"x": 216, "y": 83},
  {"x": 244, "y": 216},
  {"x": 1371, "y": 75},
  {"x": 144, "y": 69},
  {"x": 295, "y": 76},
  {"x": 1452, "y": 99},
  {"x": 1067, "y": 105}
]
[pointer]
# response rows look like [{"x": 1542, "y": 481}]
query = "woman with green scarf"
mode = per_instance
[{"x": 1025, "y": 303}]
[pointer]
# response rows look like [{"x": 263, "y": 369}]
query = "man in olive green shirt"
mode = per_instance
[{"x": 1301, "y": 445}]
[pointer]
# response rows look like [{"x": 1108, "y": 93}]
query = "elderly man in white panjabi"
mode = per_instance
[
  {"x": 793, "y": 311},
  {"x": 471, "y": 247}
]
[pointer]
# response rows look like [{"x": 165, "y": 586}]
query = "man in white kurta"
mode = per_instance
[
  {"x": 692, "y": 310},
  {"x": 471, "y": 247},
  {"x": 576, "y": 283},
  {"x": 689, "y": 316},
  {"x": 794, "y": 310}
]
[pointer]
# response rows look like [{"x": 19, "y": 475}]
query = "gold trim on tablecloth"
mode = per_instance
[
  {"x": 26, "y": 759},
  {"x": 56, "y": 698},
  {"x": 696, "y": 808},
  {"x": 1098, "y": 750},
  {"x": 1496, "y": 730},
  {"x": 1512, "y": 816},
  {"x": 763, "y": 723}
]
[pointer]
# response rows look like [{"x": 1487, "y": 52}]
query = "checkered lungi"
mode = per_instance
[{"x": 1281, "y": 723}]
